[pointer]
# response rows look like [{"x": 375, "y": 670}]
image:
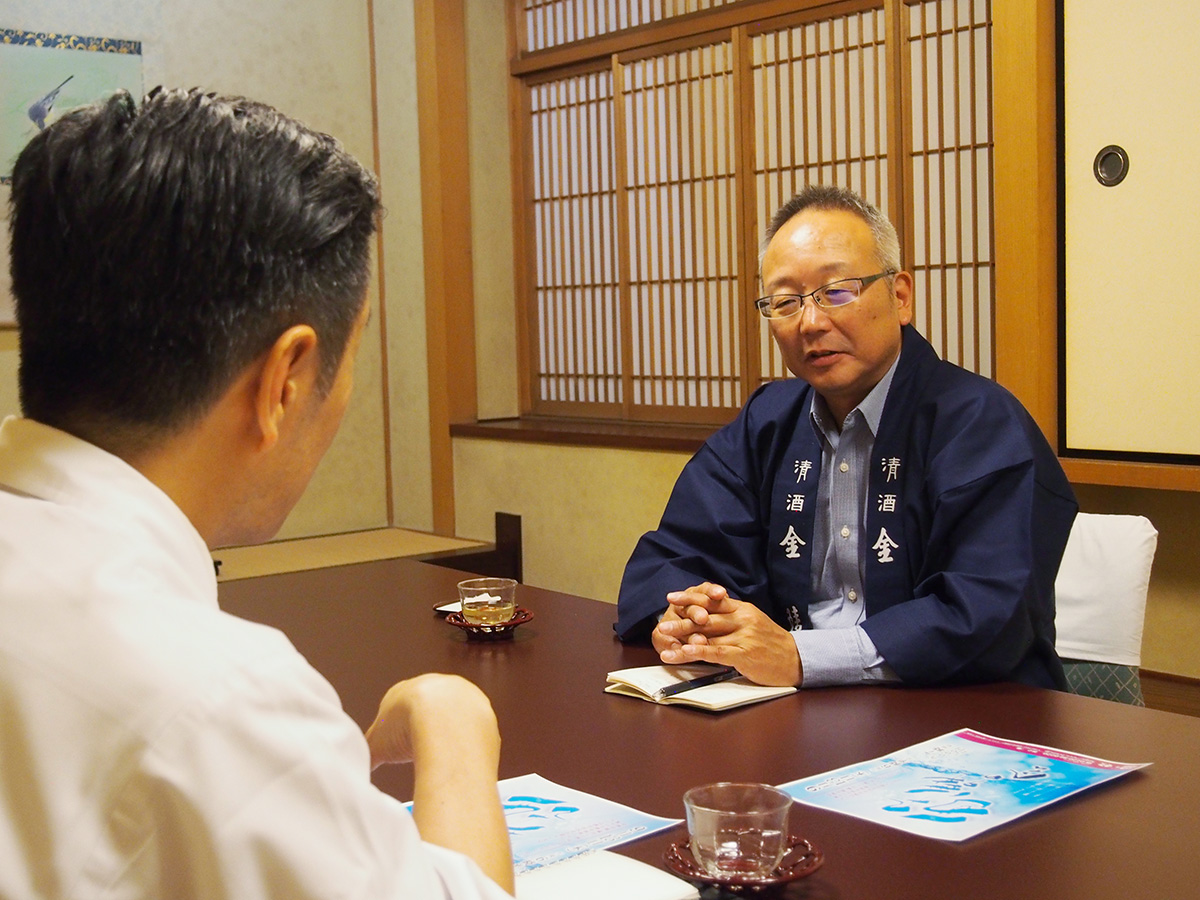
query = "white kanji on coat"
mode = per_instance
[
  {"x": 891, "y": 466},
  {"x": 884, "y": 546},
  {"x": 791, "y": 544}
]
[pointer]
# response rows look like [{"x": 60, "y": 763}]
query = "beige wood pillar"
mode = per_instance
[
  {"x": 446, "y": 218},
  {"x": 1025, "y": 191}
]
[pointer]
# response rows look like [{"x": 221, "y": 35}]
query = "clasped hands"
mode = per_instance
[{"x": 704, "y": 624}]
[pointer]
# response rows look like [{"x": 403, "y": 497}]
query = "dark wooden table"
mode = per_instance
[{"x": 367, "y": 626}]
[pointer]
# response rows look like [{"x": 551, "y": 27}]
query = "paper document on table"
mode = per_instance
[
  {"x": 602, "y": 876},
  {"x": 956, "y": 786},
  {"x": 548, "y": 823}
]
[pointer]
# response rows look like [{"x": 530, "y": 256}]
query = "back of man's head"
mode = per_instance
[{"x": 158, "y": 250}]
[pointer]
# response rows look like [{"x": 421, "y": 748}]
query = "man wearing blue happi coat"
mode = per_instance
[{"x": 883, "y": 516}]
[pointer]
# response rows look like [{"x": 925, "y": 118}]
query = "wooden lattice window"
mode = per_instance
[
  {"x": 576, "y": 308},
  {"x": 950, "y": 251},
  {"x": 820, "y": 96},
  {"x": 555, "y": 23},
  {"x": 678, "y": 208},
  {"x": 658, "y": 147}
]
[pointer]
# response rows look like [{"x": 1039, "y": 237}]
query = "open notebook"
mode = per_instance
[{"x": 646, "y": 683}]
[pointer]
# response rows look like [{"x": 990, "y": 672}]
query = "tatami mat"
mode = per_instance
[{"x": 331, "y": 550}]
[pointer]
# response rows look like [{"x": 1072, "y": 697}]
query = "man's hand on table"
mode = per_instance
[
  {"x": 444, "y": 725},
  {"x": 423, "y": 712},
  {"x": 704, "y": 624}
]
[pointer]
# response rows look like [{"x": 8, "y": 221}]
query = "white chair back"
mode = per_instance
[{"x": 1100, "y": 592}]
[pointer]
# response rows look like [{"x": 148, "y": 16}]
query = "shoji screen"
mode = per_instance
[
  {"x": 820, "y": 101},
  {"x": 578, "y": 318},
  {"x": 951, "y": 178},
  {"x": 681, "y": 225}
]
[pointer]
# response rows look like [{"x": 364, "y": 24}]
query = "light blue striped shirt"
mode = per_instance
[{"x": 837, "y": 650}]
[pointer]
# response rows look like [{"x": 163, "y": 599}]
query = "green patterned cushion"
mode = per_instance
[{"x": 1104, "y": 680}]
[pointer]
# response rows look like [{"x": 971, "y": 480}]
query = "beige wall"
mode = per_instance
[
  {"x": 312, "y": 60},
  {"x": 403, "y": 268},
  {"x": 1111, "y": 233},
  {"x": 8, "y": 374},
  {"x": 491, "y": 209},
  {"x": 1171, "y": 642},
  {"x": 582, "y": 509}
]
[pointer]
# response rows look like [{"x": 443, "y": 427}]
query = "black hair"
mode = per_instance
[{"x": 157, "y": 250}]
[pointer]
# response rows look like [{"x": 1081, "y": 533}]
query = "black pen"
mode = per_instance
[{"x": 723, "y": 674}]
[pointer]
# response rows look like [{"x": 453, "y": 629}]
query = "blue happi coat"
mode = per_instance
[{"x": 968, "y": 512}]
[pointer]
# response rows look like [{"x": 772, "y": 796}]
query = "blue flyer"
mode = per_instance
[
  {"x": 956, "y": 786},
  {"x": 548, "y": 822}
]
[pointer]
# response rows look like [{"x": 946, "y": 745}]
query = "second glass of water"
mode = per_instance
[{"x": 737, "y": 828}]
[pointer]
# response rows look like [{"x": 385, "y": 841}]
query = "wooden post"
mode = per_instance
[{"x": 446, "y": 218}]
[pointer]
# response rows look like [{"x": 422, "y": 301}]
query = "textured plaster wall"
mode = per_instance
[
  {"x": 491, "y": 209},
  {"x": 582, "y": 509},
  {"x": 404, "y": 267}
]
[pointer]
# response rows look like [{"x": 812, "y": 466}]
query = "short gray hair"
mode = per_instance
[{"x": 827, "y": 197}]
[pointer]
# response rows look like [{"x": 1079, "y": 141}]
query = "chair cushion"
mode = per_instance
[
  {"x": 1091, "y": 679},
  {"x": 1100, "y": 592}
]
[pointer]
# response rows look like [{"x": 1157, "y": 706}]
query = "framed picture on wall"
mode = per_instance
[{"x": 42, "y": 75}]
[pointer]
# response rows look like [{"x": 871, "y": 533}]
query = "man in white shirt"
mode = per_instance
[{"x": 190, "y": 279}]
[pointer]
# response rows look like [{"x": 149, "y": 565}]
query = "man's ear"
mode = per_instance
[
  {"x": 287, "y": 373},
  {"x": 902, "y": 290}
]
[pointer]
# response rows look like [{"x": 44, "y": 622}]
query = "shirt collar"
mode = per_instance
[
  {"x": 43, "y": 462},
  {"x": 870, "y": 409}
]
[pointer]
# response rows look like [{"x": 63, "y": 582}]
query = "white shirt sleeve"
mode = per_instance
[{"x": 268, "y": 794}]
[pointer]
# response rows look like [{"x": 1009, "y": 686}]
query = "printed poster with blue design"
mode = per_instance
[
  {"x": 548, "y": 823},
  {"x": 956, "y": 786}
]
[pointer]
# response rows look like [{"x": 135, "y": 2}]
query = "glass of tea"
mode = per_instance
[{"x": 488, "y": 601}]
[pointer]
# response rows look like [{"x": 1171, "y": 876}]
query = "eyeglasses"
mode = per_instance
[{"x": 829, "y": 296}]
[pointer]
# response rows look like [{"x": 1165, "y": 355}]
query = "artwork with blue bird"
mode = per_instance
[{"x": 41, "y": 109}]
